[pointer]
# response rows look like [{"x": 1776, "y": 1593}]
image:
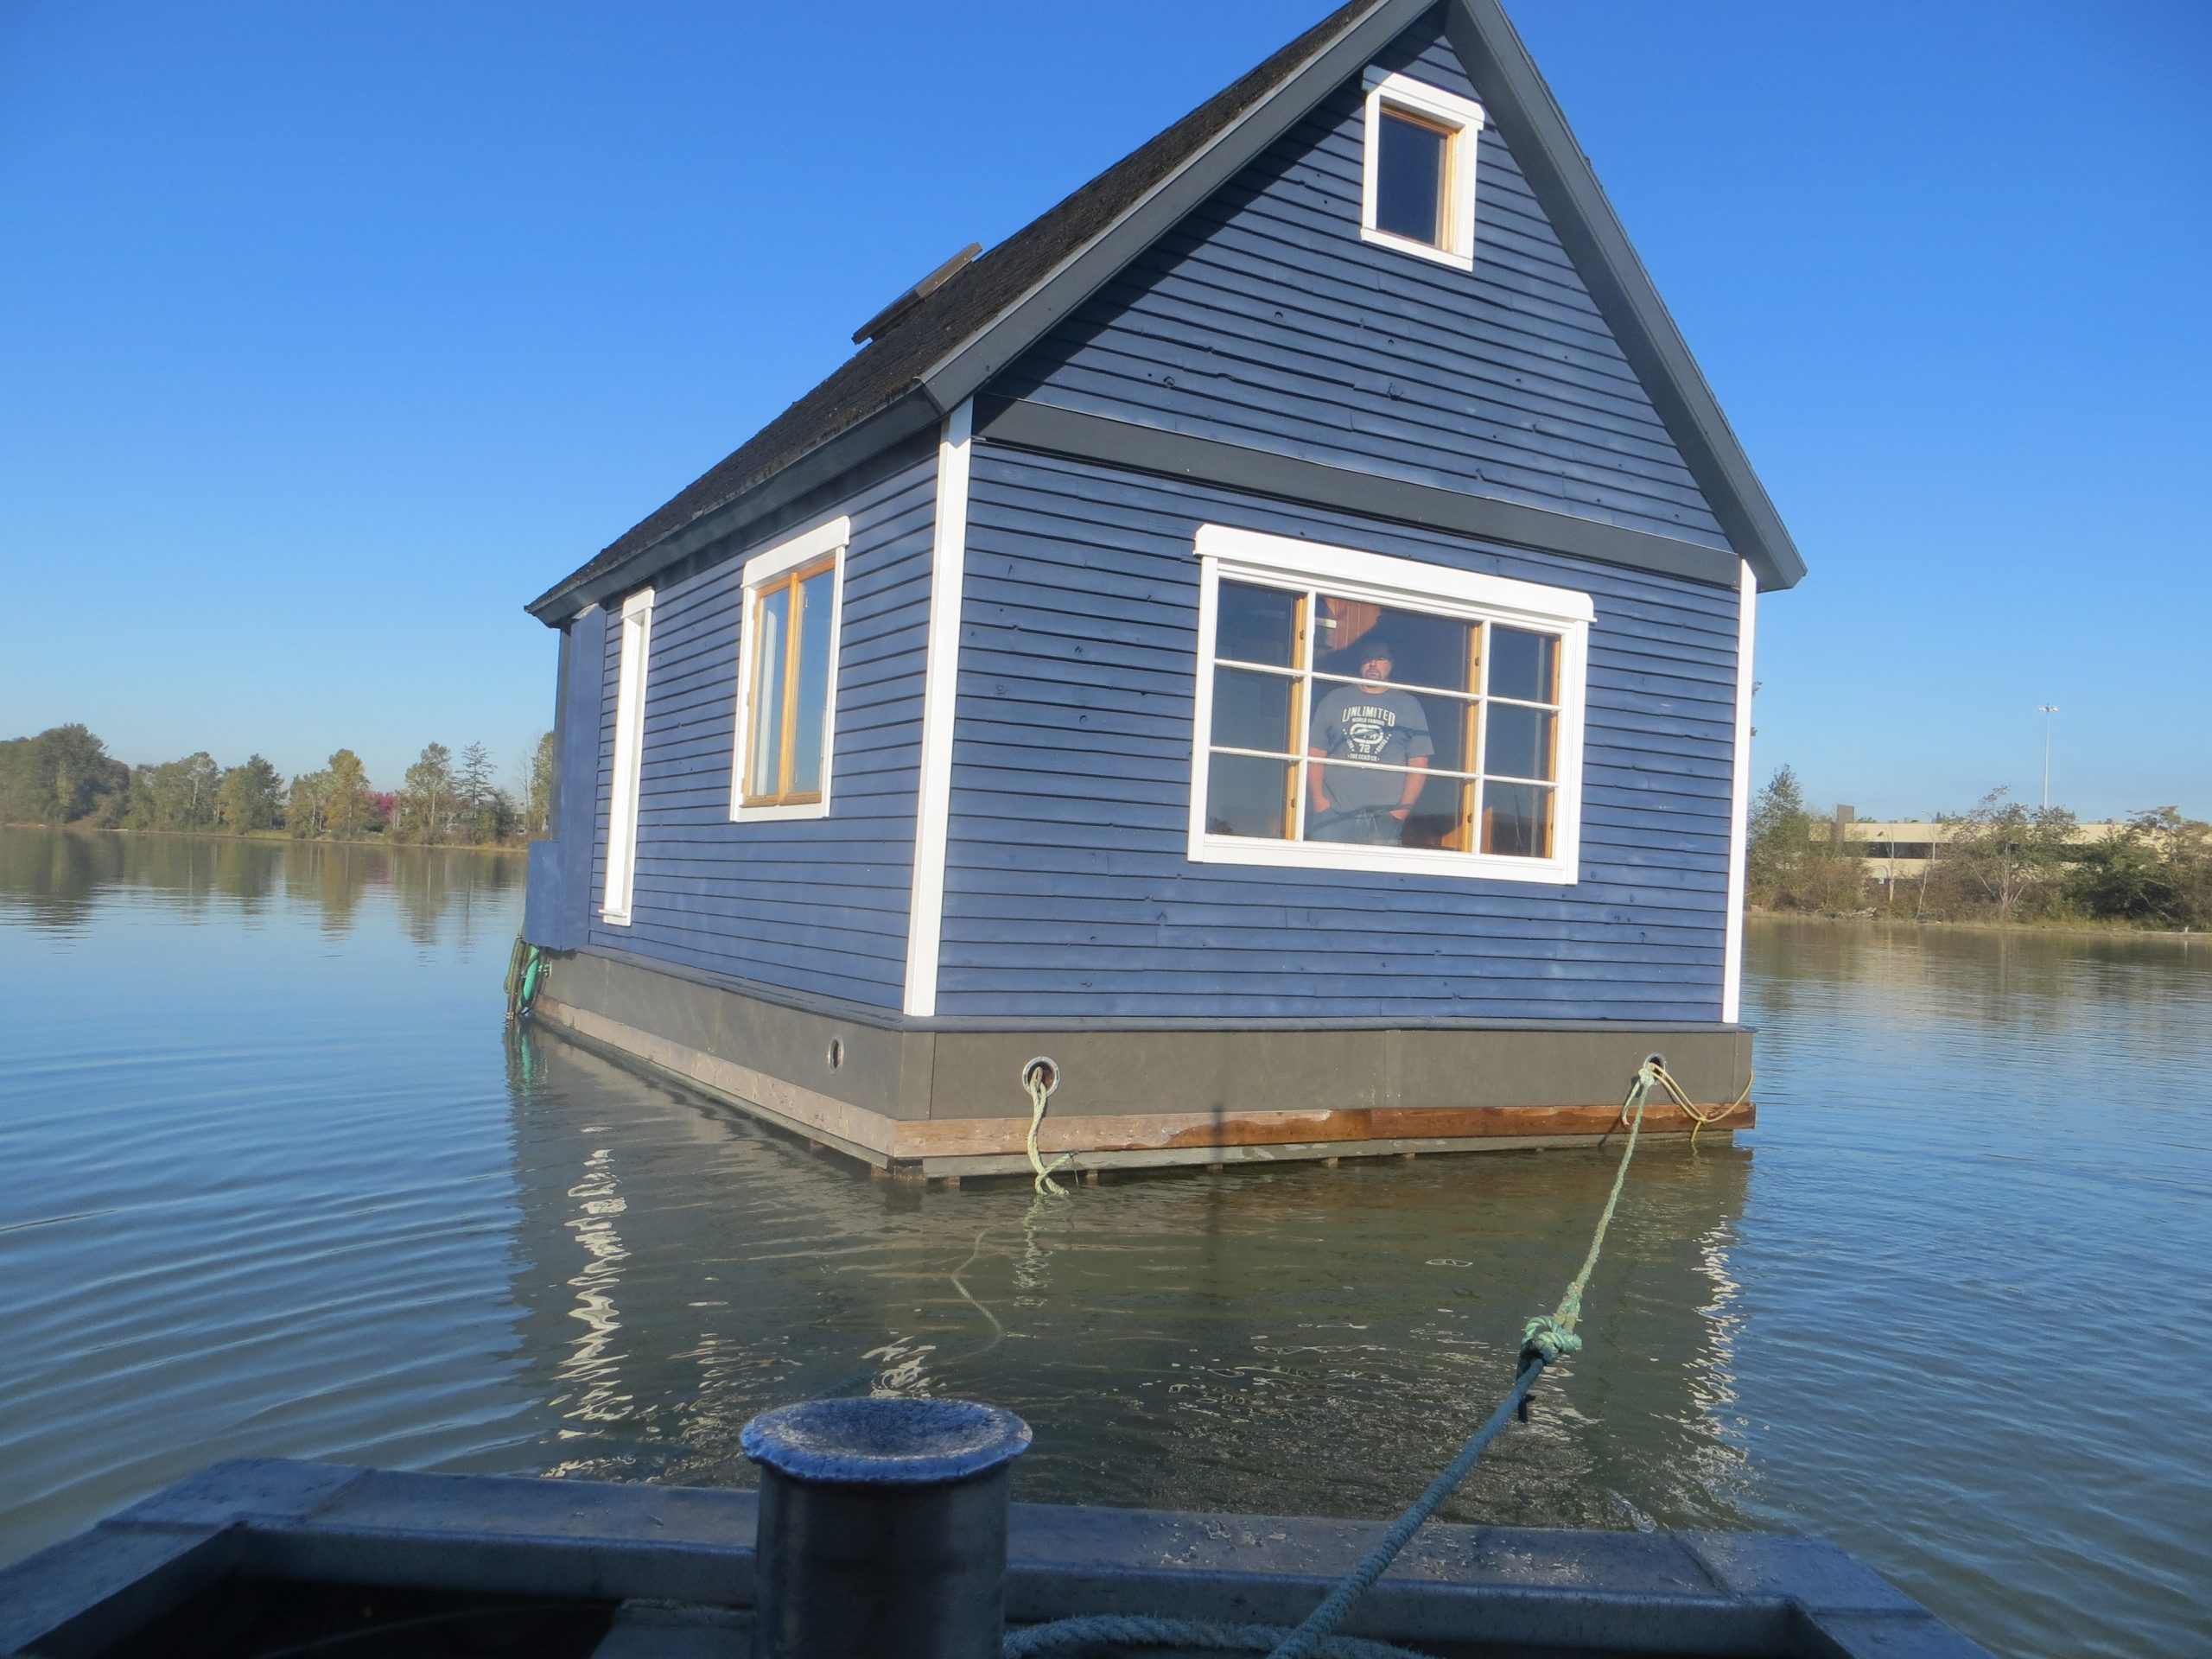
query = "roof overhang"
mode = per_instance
[{"x": 1521, "y": 104}]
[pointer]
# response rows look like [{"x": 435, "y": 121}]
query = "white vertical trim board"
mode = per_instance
[
  {"x": 940, "y": 698},
  {"x": 1740, "y": 801},
  {"x": 636, "y": 623}
]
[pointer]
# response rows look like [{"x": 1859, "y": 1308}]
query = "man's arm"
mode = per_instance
[
  {"x": 1416, "y": 781},
  {"x": 1314, "y": 779}
]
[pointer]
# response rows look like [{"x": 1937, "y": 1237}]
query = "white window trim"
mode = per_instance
[
  {"x": 634, "y": 628},
  {"x": 1228, "y": 554},
  {"x": 1465, "y": 117},
  {"x": 833, "y": 538}
]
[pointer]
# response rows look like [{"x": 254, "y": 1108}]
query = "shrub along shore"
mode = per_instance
[
  {"x": 66, "y": 776},
  {"x": 2002, "y": 863}
]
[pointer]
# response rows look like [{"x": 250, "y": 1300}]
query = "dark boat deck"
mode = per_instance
[{"x": 666, "y": 1573}]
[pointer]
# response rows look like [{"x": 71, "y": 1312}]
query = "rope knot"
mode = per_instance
[{"x": 1547, "y": 1340}]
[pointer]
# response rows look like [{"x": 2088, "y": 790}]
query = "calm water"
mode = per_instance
[{"x": 276, "y": 1182}]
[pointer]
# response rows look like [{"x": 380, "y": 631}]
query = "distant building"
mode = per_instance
[
  {"x": 1897, "y": 849},
  {"x": 1274, "y": 634}
]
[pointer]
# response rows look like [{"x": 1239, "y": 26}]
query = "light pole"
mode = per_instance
[{"x": 2046, "y": 709}]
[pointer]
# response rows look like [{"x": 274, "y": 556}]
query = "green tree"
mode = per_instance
[
  {"x": 1780, "y": 838},
  {"x": 474, "y": 783},
  {"x": 2157, "y": 871},
  {"x": 348, "y": 813},
  {"x": 64, "y": 775},
  {"x": 308, "y": 803},
  {"x": 2006, "y": 855},
  {"x": 249, "y": 796},
  {"x": 428, "y": 804},
  {"x": 175, "y": 795},
  {"x": 540, "y": 774}
]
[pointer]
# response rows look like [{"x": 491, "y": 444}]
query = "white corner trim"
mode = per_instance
[
  {"x": 1740, "y": 801},
  {"x": 1226, "y": 553},
  {"x": 1463, "y": 116},
  {"x": 940, "y": 701},
  {"x": 830, "y": 538},
  {"x": 635, "y": 643}
]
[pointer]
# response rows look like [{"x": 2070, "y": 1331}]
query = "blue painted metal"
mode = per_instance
[
  {"x": 885, "y": 1441},
  {"x": 1068, "y": 889},
  {"x": 556, "y": 902},
  {"x": 816, "y": 905},
  {"x": 1264, "y": 319}
]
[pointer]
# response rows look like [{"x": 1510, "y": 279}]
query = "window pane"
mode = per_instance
[
  {"x": 1409, "y": 178},
  {"x": 1257, "y": 625},
  {"x": 1524, "y": 665},
  {"x": 1252, "y": 710},
  {"x": 771, "y": 618},
  {"x": 1422, "y": 650},
  {"x": 1247, "y": 795},
  {"x": 811, "y": 711},
  {"x": 1520, "y": 741},
  {"x": 1439, "y": 817},
  {"x": 1517, "y": 820}
]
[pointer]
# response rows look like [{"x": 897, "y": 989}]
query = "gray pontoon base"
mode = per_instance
[{"x": 673, "y": 1567}]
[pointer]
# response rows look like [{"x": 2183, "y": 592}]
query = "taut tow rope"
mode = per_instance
[{"x": 1546, "y": 1340}]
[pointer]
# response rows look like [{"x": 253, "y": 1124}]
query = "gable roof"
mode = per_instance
[{"x": 945, "y": 348}]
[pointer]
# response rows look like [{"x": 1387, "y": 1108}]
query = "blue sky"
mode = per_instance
[{"x": 329, "y": 335}]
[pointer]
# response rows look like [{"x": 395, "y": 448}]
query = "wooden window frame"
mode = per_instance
[
  {"x": 1227, "y": 554},
  {"x": 1460, "y": 119},
  {"x": 785, "y": 566}
]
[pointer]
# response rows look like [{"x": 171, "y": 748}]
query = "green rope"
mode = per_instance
[
  {"x": 525, "y": 968},
  {"x": 1550, "y": 1337},
  {"x": 1546, "y": 1341}
]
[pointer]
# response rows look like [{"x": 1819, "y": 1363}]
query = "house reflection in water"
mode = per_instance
[{"x": 1287, "y": 1339}]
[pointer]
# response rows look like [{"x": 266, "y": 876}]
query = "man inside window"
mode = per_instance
[{"x": 1375, "y": 724}]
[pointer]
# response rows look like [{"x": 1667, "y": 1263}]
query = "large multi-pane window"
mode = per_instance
[
  {"x": 1357, "y": 708},
  {"x": 787, "y": 666}
]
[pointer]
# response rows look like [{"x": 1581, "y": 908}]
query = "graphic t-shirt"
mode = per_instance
[{"x": 1386, "y": 728}]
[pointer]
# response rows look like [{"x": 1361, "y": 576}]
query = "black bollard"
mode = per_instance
[{"x": 882, "y": 1529}]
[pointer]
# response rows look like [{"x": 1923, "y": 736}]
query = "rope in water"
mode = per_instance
[
  {"x": 1041, "y": 1076},
  {"x": 1545, "y": 1341}
]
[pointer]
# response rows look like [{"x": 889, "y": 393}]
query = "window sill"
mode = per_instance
[
  {"x": 1396, "y": 860},
  {"x": 1427, "y": 251},
  {"x": 609, "y": 918},
  {"x": 776, "y": 814}
]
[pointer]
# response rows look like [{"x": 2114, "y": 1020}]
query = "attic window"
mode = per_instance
[{"x": 1418, "y": 190}]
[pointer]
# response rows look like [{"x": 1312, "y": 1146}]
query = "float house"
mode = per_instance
[{"x": 1274, "y": 635}]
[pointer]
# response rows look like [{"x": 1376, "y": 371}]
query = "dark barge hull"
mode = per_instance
[
  {"x": 667, "y": 1572},
  {"x": 943, "y": 1097}
]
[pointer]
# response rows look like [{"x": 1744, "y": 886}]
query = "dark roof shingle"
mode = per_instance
[{"x": 890, "y": 365}]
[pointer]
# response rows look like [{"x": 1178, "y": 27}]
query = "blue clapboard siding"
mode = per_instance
[
  {"x": 556, "y": 907},
  {"x": 1262, "y": 319},
  {"x": 813, "y": 905},
  {"x": 1068, "y": 891}
]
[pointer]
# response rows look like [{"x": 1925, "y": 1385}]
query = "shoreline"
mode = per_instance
[
  {"x": 2123, "y": 930},
  {"x": 266, "y": 837}
]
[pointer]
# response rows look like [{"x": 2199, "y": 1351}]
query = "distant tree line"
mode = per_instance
[
  {"x": 2001, "y": 861},
  {"x": 66, "y": 776}
]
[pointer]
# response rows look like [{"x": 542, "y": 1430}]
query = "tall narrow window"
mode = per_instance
[
  {"x": 1419, "y": 169},
  {"x": 1383, "y": 713},
  {"x": 634, "y": 646},
  {"x": 788, "y": 675}
]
